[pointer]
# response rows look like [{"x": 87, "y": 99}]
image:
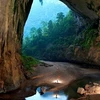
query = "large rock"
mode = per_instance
[
  {"x": 81, "y": 90},
  {"x": 13, "y": 14},
  {"x": 87, "y": 8}
]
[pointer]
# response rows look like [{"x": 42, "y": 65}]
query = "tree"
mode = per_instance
[
  {"x": 50, "y": 25},
  {"x": 52, "y": 38},
  {"x": 60, "y": 16},
  {"x": 39, "y": 32},
  {"x": 41, "y": 1},
  {"x": 33, "y": 33}
]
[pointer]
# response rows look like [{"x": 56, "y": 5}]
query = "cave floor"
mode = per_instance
[{"x": 57, "y": 75}]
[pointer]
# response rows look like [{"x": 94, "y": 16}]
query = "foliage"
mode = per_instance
[
  {"x": 41, "y": 1},
  {"x": 98, "y": 44},
  {"x": 88, "y": 39},
  {"x": 52, "y": 37},
  {"x": 29, "y": 62}
]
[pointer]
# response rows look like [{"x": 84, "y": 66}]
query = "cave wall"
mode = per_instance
[
  {"x": 86, "y": 8},
  {"x": 13, "y": 14},
  {"x": 90, "y": 11}
]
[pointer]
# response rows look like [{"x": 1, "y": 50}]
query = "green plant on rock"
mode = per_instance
[
  {"x": 98, "y": 44},
  {"x": 89, "y": 38},
  {"x": 29, "y": 62}
]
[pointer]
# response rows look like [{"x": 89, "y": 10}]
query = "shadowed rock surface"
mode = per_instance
[{"x": 87, "y": 8}]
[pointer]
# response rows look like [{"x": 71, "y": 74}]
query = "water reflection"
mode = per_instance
[
  {"x": 56, "y": 95},
  {"x": 57, "y": 81},
  {"x": 71, "y": 91},
  {"x": 68, "y": 92},
  {"x": 48, "y": 96}
]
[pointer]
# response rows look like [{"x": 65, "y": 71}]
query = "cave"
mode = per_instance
[{"x": 13, "y": 15}]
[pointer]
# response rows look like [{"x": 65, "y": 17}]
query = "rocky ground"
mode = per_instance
[{"x": 89, "y": 92}]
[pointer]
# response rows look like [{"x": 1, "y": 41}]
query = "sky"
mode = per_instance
[
  {"x": 45, "y": 12},
  {"x": 48, "y": 96}
]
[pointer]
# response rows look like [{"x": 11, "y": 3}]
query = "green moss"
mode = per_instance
[
  {"x": 89, "y": 38},
  {"x": 98, "y": 44},
  {"x": 29, "y": 62}
]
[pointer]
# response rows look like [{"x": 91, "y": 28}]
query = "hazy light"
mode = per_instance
[
  {"x": 57, "y": 81},
  {"x": 54, "y": 2},
  {"x": 56, "y": 95}
]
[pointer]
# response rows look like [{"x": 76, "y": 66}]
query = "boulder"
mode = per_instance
[{"x": 81, "y": 90}]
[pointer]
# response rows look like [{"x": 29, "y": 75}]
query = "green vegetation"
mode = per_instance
[
  {"x": 88, "y": 38},
  {"x": 54, "y": 39},
  {"x": 98, "y": 44},
  {"x": 29, "y": 62}
]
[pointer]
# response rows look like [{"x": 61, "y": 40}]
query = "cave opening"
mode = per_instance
[
  {"x": 53, "y": 32},
  {"x": 49, "y": 30}
]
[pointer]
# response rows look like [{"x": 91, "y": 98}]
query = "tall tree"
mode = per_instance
[
  {"x": 60, "y": 16},
  {"x": 41, "y": 2}
]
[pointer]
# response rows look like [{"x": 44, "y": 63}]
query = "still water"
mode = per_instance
[
  {"x": 48, "y": 96},
  {"x": 71, "y": 78}
]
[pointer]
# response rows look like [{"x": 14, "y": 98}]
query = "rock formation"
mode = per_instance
[
  {"x": 86, "y": 8},
  {"x": 13, "y": 14}
]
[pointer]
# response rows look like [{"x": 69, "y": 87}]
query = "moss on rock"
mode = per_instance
[{"x": 29, "y": 62}]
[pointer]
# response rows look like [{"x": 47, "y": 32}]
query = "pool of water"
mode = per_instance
[
  {"x": 67, "y": 92},
  {"x": 48, "y": 96}
]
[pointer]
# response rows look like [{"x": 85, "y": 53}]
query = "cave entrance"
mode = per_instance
[
  {"x": 41, "y": 14},
  {"x": 48, "y": 30}
]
